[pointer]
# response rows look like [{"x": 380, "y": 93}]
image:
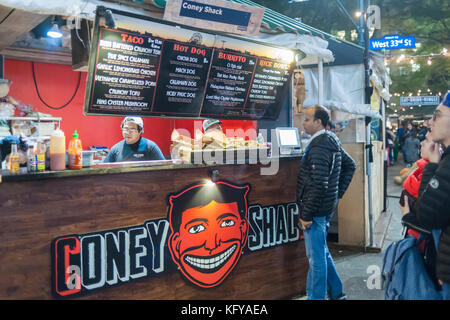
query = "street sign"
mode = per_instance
[
  {"x": 392, "y": 42},
  {"x": 420, "y": 101}
]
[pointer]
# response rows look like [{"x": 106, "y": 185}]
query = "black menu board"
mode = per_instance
[
  {"x": 183, "y": 70},
  {"x": 152, "y": 69},
  {"x": 125, "y": 72}
]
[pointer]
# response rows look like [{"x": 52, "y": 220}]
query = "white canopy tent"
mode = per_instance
[{"x": 336, "y": 87}]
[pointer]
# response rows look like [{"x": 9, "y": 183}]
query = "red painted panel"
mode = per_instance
[{"x": 57, "y": 84}]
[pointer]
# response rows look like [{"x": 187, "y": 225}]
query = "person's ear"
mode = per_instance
[{"x": 174, "y": 245}]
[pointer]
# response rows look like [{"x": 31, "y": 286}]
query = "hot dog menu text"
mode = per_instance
[{"x": 149, "y": 75}]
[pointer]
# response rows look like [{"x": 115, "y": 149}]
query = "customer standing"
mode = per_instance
[
  {"x": 411, "y": 145},
  {"x": 399, "y": 135},
  {"x": 433, "y": 204},
  {"x": 325, "y": 173}
]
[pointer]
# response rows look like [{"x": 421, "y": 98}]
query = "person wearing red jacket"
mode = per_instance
[{"x": 411, "y": 186}]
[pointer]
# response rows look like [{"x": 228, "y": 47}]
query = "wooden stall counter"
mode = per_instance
[{"x": 153, "y": 232}]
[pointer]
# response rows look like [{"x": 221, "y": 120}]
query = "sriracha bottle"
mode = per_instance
[{"x": 75, "y": 152}]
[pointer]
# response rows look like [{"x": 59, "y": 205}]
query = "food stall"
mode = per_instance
[{"x": 115, "y": 230}]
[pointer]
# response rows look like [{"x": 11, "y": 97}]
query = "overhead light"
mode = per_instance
[
  {"x": 54, "y": 31},
  {"x": 214, "y": 175},
  {"x": 358, "y": 14}
]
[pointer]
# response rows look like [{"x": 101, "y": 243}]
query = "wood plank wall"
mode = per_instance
[{"x": 32, "y": 213}]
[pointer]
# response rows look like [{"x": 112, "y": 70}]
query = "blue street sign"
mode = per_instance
[{"x": 392, "y": 42}]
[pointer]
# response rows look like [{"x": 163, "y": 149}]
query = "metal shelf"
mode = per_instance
[{"x": 32, "y": 118}]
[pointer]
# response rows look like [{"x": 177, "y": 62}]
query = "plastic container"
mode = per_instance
[
  {"x": 88, "y": 158},
  {"x": 57, "y": 151},
  {"x": 75, "y": 151},
  {"x": 14, "y": 159}
]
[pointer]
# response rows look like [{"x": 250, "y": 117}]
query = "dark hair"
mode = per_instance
[
  {"x": 200, "y": 195},
  {"x": 321, "y": 113}
]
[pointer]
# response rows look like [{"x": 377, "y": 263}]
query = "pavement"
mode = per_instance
[{"x": 359, "y": 269}]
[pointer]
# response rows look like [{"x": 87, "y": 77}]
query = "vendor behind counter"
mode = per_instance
[{"x": 134, "y": 147}]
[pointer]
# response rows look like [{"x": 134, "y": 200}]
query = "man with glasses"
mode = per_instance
[
  {"x": 134, "y": 147},
  {"x": 433, "y": 204}
]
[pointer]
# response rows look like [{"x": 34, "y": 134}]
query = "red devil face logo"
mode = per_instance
[{"x": 209, "y": 230}]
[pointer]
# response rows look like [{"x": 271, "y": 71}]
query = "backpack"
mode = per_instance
[{"x": 404, "y": 273}]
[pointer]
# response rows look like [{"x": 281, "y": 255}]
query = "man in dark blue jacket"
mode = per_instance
[{"x": 325, "y": 174}]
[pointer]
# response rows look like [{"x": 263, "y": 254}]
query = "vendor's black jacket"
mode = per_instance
[
  {"x": 433, "y": 209},
  {"x": 325, "y": 174}
]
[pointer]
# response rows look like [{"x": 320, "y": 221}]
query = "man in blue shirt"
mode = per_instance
[{"x": 133, "y": 147}]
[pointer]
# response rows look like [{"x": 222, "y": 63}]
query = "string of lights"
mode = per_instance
[{"x": 413, "y": 58}]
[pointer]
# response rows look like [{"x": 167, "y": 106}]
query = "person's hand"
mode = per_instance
[
  {"x": 305, "y": 224},
  {"x": 441, "y": 282},
  {"x": 431, "y": 152},
  {"x": 405, "y": 208}
]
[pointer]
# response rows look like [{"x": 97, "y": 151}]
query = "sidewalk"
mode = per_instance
[{"x": 360, "y": 271}]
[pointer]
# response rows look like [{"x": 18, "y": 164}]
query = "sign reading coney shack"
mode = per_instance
[
  {"x": 151, "y": 69},
  {"x": 217, "y": 15},
  {"x": 207, "y": 231}
]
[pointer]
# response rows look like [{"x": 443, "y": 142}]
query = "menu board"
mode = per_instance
[
  {"x": 183, "y": 70},
  {"x": 152, "y": 69},
  {"x": 125, "y": 73}
]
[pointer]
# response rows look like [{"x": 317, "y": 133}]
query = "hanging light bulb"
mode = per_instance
[
  {"x": 412, "y": 61},
  {"x": 429, "y": 62},
  {"x": 54, "y": 32}
]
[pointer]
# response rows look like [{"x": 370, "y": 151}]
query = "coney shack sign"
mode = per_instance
[{"x": 207, "y": 230}]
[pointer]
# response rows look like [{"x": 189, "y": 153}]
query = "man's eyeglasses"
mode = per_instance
[
  {"x": 437, "y": 114},
  {"x": 129, "y": 130}
]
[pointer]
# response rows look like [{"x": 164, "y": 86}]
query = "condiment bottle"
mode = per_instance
[
  {"x": 75, "y": 152},
  {"x": 57, "y": 151},
  {"x": 40, "y": 156},
  {"x": 14, "y": 159},
  {"x": 31, "y": 159}
]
